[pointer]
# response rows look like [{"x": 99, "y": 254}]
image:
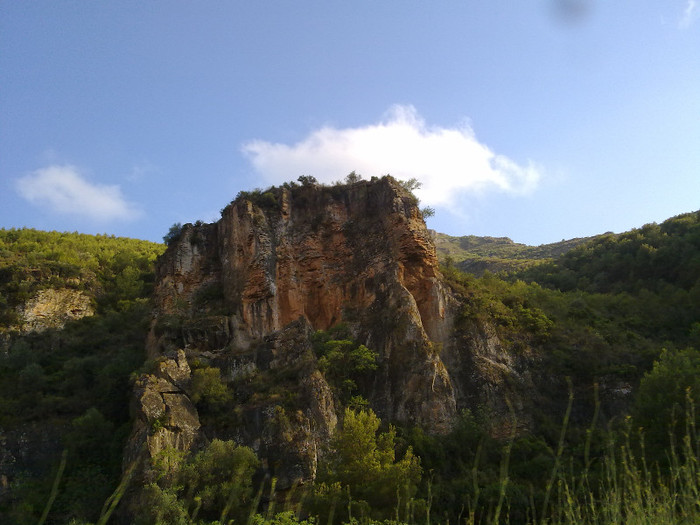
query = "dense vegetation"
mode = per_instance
[
  {"x": 614, "y": 323},
  {"x": 68, "y": 389},
  {"x": 652, "y": 257},
  {"x": 111, "y": 269}
]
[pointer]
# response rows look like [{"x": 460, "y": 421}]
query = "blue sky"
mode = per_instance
[{"x": 538, "y": 120}]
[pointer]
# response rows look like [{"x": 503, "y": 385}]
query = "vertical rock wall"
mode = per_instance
[
  {"x": 358, "y": 254},
  {"x": 245, "y": 295}
]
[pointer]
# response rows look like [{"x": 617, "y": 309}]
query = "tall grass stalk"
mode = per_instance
[
  {"x": 429, "y": 502},
  {"x": 256, "y": 502},
  {"x": 560, "y": 451},
  {"x": 299, "y": 507},
  {"x": 113, "y": 500},
  {"x": 476, "y": 490},
  {"x": 237, "y": 477},
  {"x": 54, "y": 487},
  {"x": 505, "y": 463},
  {"x": 271, "y": 500}
]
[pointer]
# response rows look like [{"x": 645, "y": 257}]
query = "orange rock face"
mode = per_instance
[
  {"x": 316, "y": 255},
  {"x": 358, "y": 254},
  {"x": 246, "y": 295}
]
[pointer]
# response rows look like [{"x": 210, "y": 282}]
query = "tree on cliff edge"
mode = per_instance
[{"x": 173, "y": 233}]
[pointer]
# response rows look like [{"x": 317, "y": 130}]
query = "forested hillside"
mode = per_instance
[
  {"x": 66, "y": 387},
  {"x": 652, "y": 258},
  {"x": 110, "y": 269},
  {"x": 652, "y": 273},
  {"x": 617, "y": 316},
  {"x": 599, "y": 351}
]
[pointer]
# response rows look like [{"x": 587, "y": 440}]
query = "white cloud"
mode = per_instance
[
  {"x": 689, "y": 14},
  {"x": 447, "y": 161},
  {"x": 64, "y": 190}
]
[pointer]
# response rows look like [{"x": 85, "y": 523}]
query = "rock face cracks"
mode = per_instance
[
  {"x": 358, "y": 254},
  {"x": 52, "y": 308},
  {"x": 244, "y": 296}
]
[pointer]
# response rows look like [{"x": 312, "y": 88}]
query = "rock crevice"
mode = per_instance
[{"x": 245, "y": 294}]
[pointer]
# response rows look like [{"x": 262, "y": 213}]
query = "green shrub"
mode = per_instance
[
  {"x": 343, "y": 361},
  {"x": 214, "y": 483},
  {"x": 362, "y": 471},
  {"x": 664, "y": 397},
  {"x": 207, "y": 388},
  {"x": 174, "y": 233}
]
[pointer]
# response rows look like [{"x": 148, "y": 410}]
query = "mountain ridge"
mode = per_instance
[{"x": 477, "y": 254}]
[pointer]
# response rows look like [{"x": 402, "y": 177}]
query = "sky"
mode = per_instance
[{"x": 537, "y": 120}]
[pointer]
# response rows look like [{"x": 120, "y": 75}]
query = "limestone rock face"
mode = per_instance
[
  {"x": 358, "y": 254},
  {"x": 487, "y": 375},
  {"x": 287, "y": 422},
  {"x": 245, "y": 295},
  {"x": 316, "y": 256},
  {"x": 53, "y": 308},
  {"x": 164, "y": 416}
]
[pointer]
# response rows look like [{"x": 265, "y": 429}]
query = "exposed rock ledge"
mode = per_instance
[
  {"x": 53, "y": 308},
  {"x": 245, "y": 294}
]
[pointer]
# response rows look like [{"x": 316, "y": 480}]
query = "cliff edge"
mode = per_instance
[
  {"x": 245, "y": 299},
  {"x": 245, "y": 296}
]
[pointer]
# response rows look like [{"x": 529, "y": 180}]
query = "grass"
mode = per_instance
[
  {"x": 618, "y": 487},
  {"x": 629, "y": 492}
]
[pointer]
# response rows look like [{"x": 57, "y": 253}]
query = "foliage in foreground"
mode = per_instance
[
  {"x": 618, "y": 485},
  {"x": 69, "y": 389},
  {"x": 215, "y": 483},
  {"x": 362, "y": 476}
]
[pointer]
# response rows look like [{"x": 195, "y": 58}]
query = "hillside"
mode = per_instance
[
  {"x": 74, "y": 314},
  {"x": 476, "y": 255},
  {"x": 308, "y": 353},
  {"x": 650, "y": 257}
]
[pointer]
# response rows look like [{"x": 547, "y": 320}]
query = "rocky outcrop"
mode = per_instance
[
  {"x": 286, "y": 408},
  {"x": 245, "y": 295},
  {"x": 53, "y": 308},
  {"x": 164, "y": 416},
  {"x": 358, "y": 254},
  {"x": 489, "y": 376}
]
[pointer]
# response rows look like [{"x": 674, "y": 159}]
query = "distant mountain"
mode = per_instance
[{"x": 476, "y": 255}]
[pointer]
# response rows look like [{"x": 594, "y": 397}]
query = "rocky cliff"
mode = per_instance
[
  {"x": 53, "y": 308},
  {"x": 246, "y": 294}
]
